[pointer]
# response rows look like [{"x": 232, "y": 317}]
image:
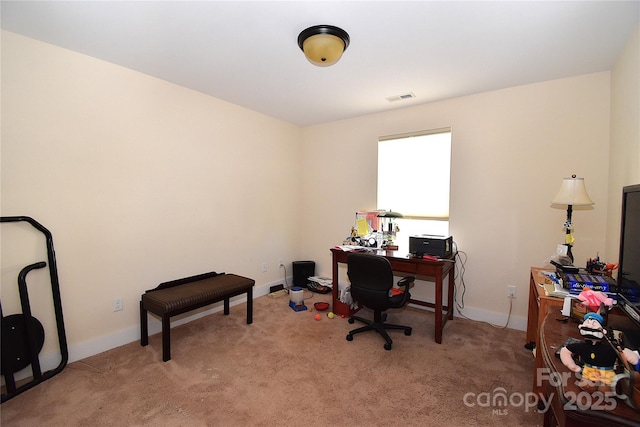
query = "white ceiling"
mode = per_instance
[{"x": 247, "y": 53}]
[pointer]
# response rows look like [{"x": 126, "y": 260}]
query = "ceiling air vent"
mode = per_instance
[{"x": 401, "y": 97}]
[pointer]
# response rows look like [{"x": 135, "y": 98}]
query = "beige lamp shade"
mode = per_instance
[
  {"x": 323, "y": 45},
  {"x": 572, "y": 192}
]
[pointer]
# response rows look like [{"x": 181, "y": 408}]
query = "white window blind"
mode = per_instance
[{"x": 414, "y": 174}]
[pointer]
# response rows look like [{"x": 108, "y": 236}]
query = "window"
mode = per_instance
[{"x": 414, "y": 179}]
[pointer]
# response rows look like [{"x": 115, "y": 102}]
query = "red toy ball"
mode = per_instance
[{"x": 317, "y": 317}]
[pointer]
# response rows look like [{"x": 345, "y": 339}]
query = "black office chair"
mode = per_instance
[{"x": 371, "y": 280}]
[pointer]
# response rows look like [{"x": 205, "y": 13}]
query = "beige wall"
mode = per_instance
[
  {"x": 624, "y": 160},
  {"x": 510, "y": 150},
  {"x": 140, "y": 181}
]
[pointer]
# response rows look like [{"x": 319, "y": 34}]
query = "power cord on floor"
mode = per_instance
[
  {"x": 489, "y": 323},
  {"x": 278, "y": 294},
  {"x": 286, "y": 285},
  {"x": 461, "y": 260}
]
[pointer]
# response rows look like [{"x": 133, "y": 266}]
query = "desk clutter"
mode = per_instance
[
  {"x": 378, "y": 230},
  {"x": 574, "y": 280},
  {"x": 299, "y": 301},
  {"x": 374, "y": 229},
  {"x": 304, "y": 277},
  {"x": 593, "y": 283},
  {"x": 305, "y": 285}
]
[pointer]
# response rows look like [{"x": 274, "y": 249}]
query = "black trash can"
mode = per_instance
[{"x": 302, "y": 270}]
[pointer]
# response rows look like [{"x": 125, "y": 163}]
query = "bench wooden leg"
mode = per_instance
[
  {"x": 250, "y": 306},
  {"x": 226, "y": 306},
  {"x": 144, "y": 331},
  {"x": 166, "y": 338}
]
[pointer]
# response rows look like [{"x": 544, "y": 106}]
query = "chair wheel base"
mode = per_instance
[
  {"x": 387, "y": 346},
  {"x": 407, "y": 332},
  {"x": 349, "y": 337}
]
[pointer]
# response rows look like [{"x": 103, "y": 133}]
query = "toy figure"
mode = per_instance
[{"x": 599, "y": 357}]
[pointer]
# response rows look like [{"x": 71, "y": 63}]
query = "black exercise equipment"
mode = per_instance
[{"x": 23, "y": 334}]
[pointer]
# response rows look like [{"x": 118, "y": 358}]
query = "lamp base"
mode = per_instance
[{"x": 569, "y": 253}]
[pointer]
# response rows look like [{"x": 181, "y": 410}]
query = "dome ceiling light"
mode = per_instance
[{"x": 323, "y": 44}]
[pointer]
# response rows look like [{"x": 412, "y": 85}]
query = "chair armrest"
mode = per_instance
[{"x": 406, "y": 282}]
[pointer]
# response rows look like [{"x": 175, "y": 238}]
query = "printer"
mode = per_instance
[{"x": 427, "y": 244}]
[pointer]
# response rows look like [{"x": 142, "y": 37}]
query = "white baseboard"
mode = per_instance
[{"x": 496, "y": 319}]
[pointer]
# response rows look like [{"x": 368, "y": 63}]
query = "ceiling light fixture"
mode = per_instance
[{"x": 323, "y": 45}]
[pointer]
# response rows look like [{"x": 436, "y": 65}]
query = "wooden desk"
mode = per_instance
[
  {"x": 570, "y": 405},
  {"x": 437, "y": 270},
  {"x": 539, "y": 306}
]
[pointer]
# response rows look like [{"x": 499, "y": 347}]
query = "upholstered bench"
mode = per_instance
[{"x": 180, "y": 296}]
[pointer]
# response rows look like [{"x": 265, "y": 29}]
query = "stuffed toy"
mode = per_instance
[
  {"x": 594, "y": 299},
  {"x": 598, "y": 355}
]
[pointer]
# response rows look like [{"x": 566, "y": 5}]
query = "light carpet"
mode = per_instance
[{"x": 286, "y": 369}]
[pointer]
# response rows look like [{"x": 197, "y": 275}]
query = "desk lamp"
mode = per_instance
[{"x": 572, "y": 193}]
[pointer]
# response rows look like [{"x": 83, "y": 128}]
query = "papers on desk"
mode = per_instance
[
  {"x": 556, "y": 290},
  {"x": 351, "y": 248},
  {"x": 362, "y": 227}
]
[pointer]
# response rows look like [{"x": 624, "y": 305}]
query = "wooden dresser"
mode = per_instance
[{"x": 539, "y": 306}]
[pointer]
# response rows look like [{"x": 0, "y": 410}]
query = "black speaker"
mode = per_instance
[{"x": 302, "y": 270}]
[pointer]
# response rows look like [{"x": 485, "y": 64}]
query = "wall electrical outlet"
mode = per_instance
[
  {"x": 511, "y": 291},
  {"x": 118, "y": 305},
  {"x": 280, "y": 263},
  {"x": 264, "y": 267}
]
